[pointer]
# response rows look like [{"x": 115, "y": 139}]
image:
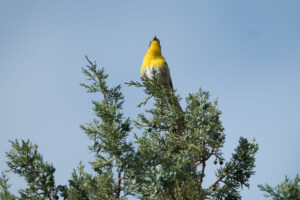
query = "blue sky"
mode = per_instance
[{"x": 246, "y": 53}]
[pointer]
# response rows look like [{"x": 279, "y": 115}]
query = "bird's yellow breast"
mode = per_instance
[{"x": 153, "y": 58}]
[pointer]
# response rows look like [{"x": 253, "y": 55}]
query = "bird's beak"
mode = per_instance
[{"x": 155, "y": 39}]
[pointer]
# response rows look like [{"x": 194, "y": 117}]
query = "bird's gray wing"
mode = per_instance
[{"x": 168, "y": 75}]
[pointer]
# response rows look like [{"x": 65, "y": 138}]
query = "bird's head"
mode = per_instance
[
  {"x": 154, "y": 42},
  {"x": 155, "y": 45}
]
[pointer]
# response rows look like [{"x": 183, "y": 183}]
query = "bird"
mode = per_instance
[{"x": 153, "y": 60}]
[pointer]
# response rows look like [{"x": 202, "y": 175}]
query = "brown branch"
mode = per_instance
[
  {"x": 172, "y": 195},
  {"x": 164, "y": 128},
  {"x": 202, "y": 160},
  {"x": 167, "y": 128},
  {"x": 217, "y": 181},
  {"x": 119, "y": 179},
  {"x": 211, "y": 153},
  {"x": 222, "y": 176}
]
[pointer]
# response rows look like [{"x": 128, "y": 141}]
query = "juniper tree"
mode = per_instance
[
  {"x": 289, "y": 189},
  {"x": 167, "y": 160},
  {"x": 175, "y": 146},
  {"x": 114, "y": 153}
]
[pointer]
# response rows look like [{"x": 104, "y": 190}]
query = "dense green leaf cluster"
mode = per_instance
[
  {"x": 25, "y": 161},
  {"x": 176, "y": 145},
  {"x": 287, "y": 190},
  {"x": 168, "y": 159}
]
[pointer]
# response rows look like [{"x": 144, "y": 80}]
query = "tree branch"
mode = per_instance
[
  {"x": 172, "y": 195},
  {"x": 221, "y": 178},
  {"x": 217, "y": 181},
  {"x": 119, "y": 179}
]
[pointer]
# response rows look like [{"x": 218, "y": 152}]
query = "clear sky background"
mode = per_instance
[{"x": 246, "y": 53}]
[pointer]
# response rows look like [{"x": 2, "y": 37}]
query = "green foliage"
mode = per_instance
[
  {"x": 86, "y": 186},
  {"x": 25, "y": 161},
  {"x": 176, "y": 145},
  {"x": 287, "y": 190},
  {"x": 109, "y": 132},
  {"x": 236, "y": 172},
  {"x": 167, "y": 161},
  {"x": 4, "y": 193}
]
